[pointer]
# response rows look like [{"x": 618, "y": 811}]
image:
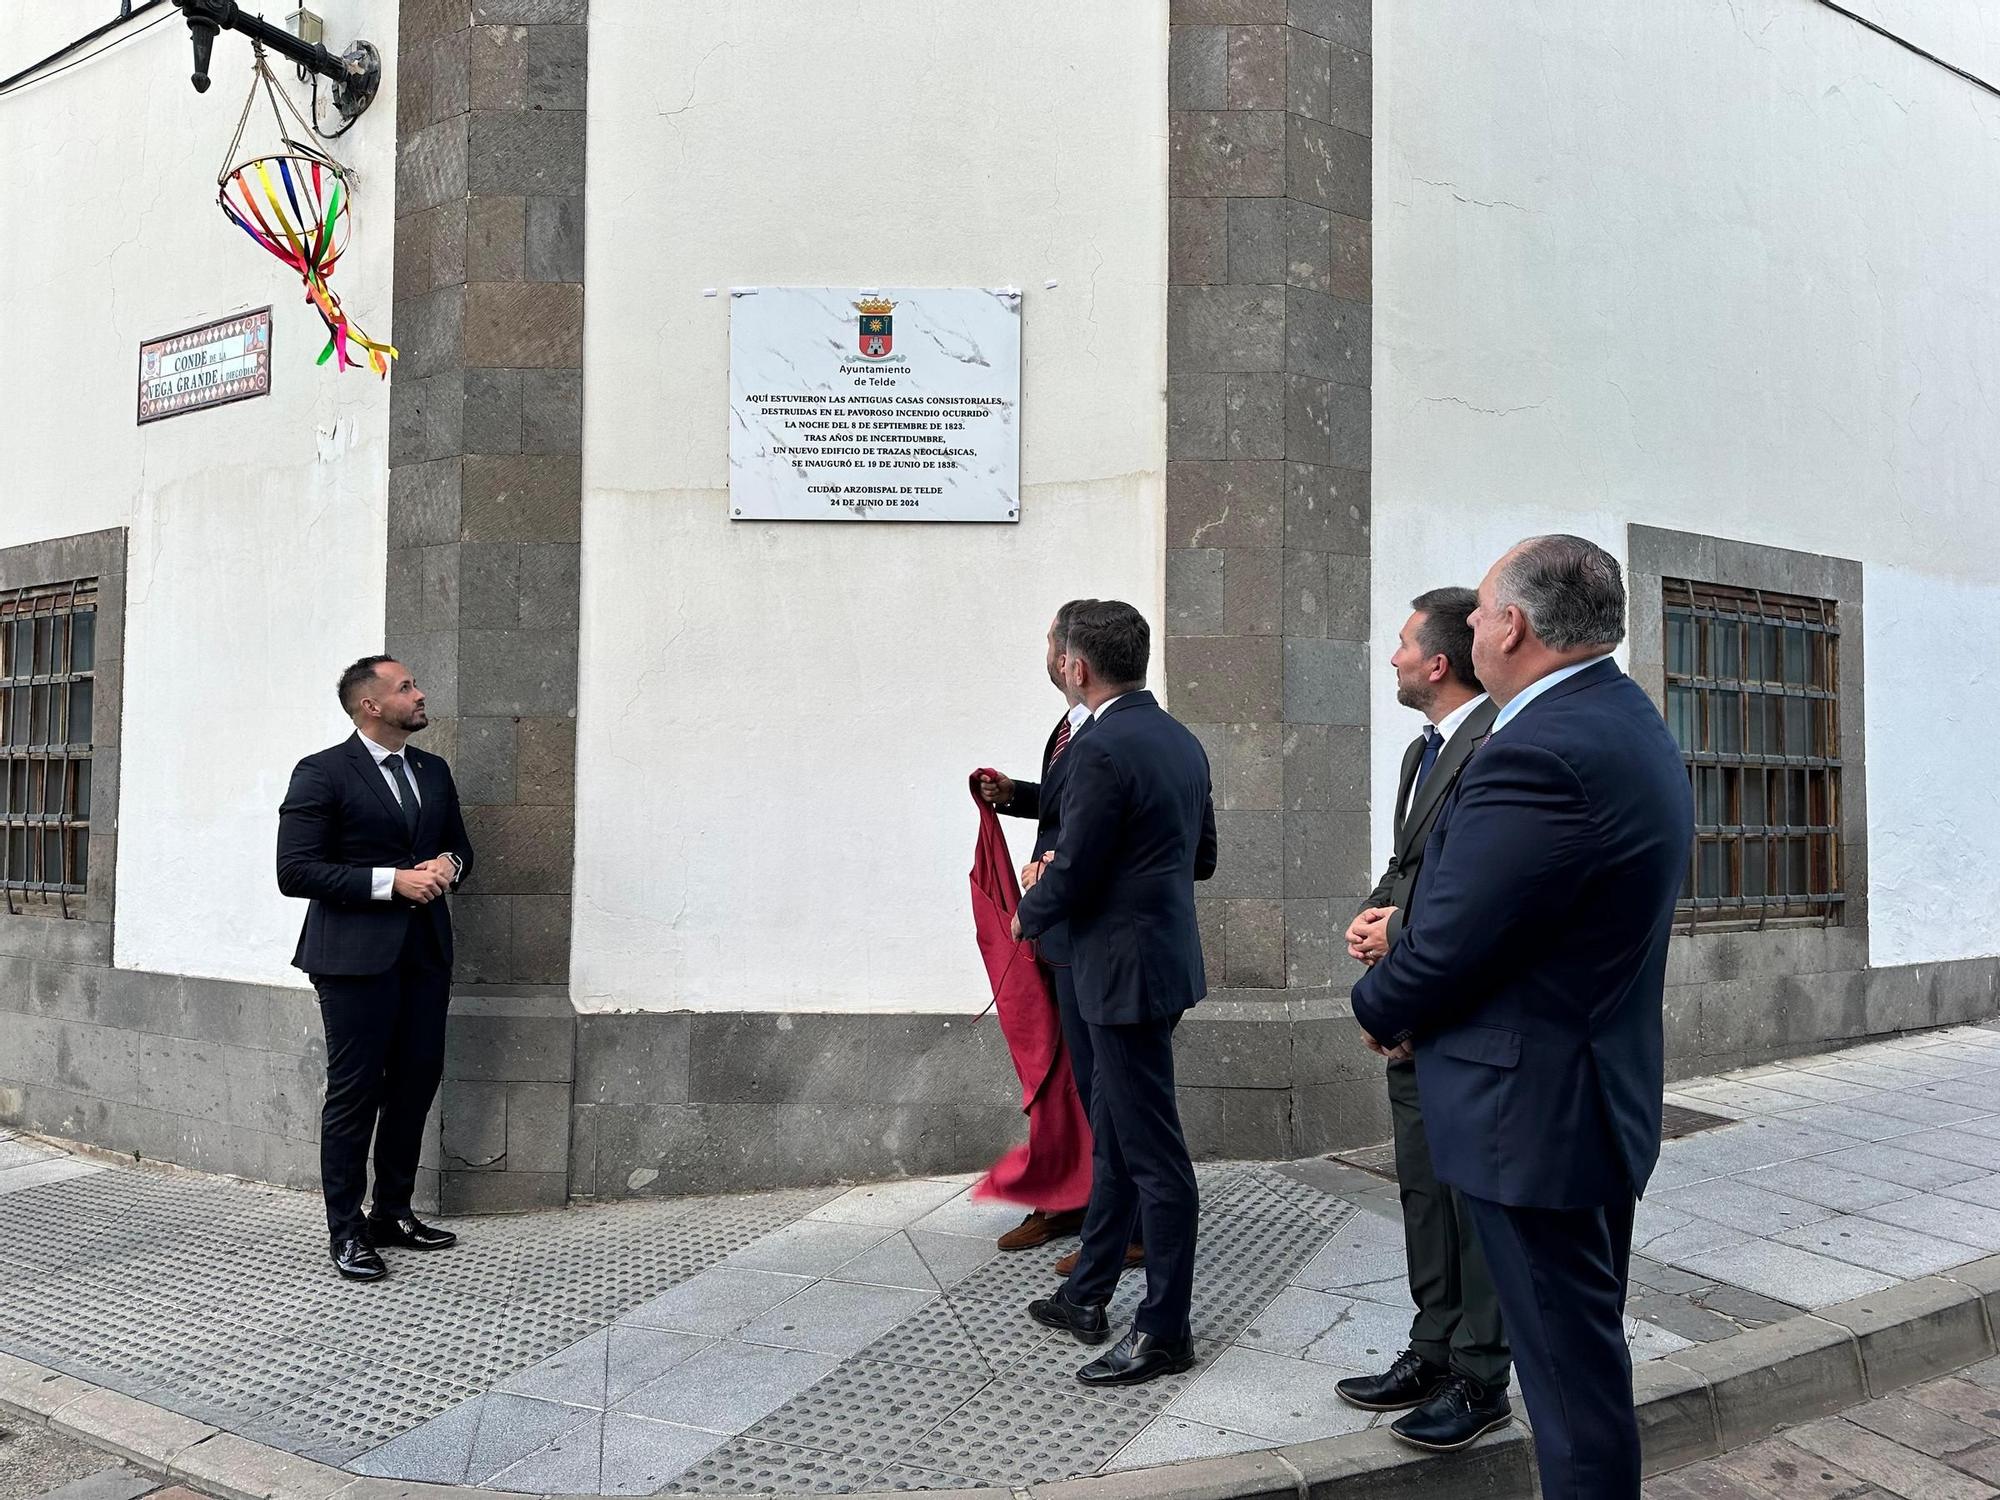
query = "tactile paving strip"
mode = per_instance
[
  {"x": 133, "y": 1267},
  {"x": 745, "y": 1466},
  {"x": 215, "y": 1299},
  {"x": 1014, "y": 1435},
  {"x": 1030, "y": 1421},
  {"x": 868, "y": 1410},
  {"x": 905, "y": 1477},
  {"x": 938, "y": 1342}
]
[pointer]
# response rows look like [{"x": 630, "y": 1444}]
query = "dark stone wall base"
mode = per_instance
[{"x": 541, "y": 1105}]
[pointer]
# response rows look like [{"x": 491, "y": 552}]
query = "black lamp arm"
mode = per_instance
[{"x": 355, "y": 74}]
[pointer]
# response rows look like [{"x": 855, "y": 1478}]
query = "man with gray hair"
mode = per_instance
[{"x": 1529, "y": 983}]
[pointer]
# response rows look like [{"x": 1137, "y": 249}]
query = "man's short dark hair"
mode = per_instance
[
  {"x": 1571, "y": 590},
  {"x": 357, "y": 680},
  {"x": 1066, "y": 620},
  {"x": 1447, "y": 631},
  {"x": 1114, "y": 638}
]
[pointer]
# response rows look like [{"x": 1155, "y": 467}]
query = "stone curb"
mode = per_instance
[{"x": 1694, "y": 1404}]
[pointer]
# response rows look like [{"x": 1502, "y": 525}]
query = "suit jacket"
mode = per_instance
[
  {"x": 1532, "y": 971},
  {"x": 1042, "y": 801},
  {"x": 1137, "y": 831},
  {"x": 1416, "y": 817},
  {"x": 338, "y": 824}
]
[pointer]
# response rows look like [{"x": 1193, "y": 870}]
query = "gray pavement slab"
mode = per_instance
[
  {"x": 875, "y": 1338},
  {"x": 1895, "y": 1163},
  {"x": 1787, "y": 1272},
  {"x": 895, "y": 1262},
  {"x": 1903, "y": 1254},
  {"x": 36, "y": 1461},
  {"x": 1268, "y": 1396},
  {"x": 1734, "y": 1202},
  {"x": 567, "y": 1465},
  {"x": 1819, "y": 1182},
  {"x": 640, "y": 1456},
  {"x": 950, "y": 1258},
  {"x": 1956, "y": 1145},
  {"x": 717, "y": 1301},
  {"x": 1169, "y": 1439},
  {"x": 1854, "y": 1119},
  {"x": 35, "y": 1173},
  {"x": 512, "y": 1427},
  {"x": 892, "y": 1205},
  {"x": 1978, "y": 1092},
  {"x": 1820, "y": 1088},
  {"x": 1952, "y": 1218},
  {"x": 835, "y": 1317},
  {"x": 810, "y": 1247},
  {"x": 729, "y": 1386}
]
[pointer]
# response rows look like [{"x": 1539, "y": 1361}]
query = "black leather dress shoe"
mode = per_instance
[
  {"x": 356, "y": 1259},
  {"x": 1087, "y": 1324},
  {"x": 1410, "y": 1381},
  {"x": 410, "y": 1232},
  {"x": 1137, "y": 1358},
  {"x": 1462, "y": 1410}
]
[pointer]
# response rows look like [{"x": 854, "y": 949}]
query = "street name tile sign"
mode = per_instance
[
  {"x": 875, "y": 404},
  {"x": 216, "y": 363}
]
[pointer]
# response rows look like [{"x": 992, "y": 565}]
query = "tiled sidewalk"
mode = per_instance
[
  {"x": 1935, "y": 1441},
  {"x": 873, "y": 1338}
]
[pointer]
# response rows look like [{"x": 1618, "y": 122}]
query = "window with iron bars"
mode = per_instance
[
  {"x": 48, "y": 658},
  {"x": 1752, "y": 700}
]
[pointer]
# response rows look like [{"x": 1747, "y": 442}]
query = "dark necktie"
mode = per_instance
[
  {"x": 1062, "y": 740},
  {"x": 405, "y": 793},
  {"x": 1433, "y": 743}
]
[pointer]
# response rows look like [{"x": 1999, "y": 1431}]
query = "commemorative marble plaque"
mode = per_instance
[{"x": 875, "y": 404}]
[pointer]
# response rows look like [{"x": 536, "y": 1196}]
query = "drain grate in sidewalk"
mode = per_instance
[{"x": 1677, "y": 1120}]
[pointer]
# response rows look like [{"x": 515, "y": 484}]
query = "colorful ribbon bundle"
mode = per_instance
[{"x": 296, "y": 206}]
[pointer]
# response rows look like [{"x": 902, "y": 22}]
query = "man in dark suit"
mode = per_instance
[
  {"x": 1138, "y": 830},
  {"x": 1530, "y": 980},
  {"x": 370, "y": 834},
  {"x": 1454, "y": 1372},
  {"x": 1042, "y": 801}
]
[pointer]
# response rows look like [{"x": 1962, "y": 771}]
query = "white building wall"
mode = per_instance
[
  {"x": 1723, "y": 268},
  {"x": 777, "y": 721},
  {"x": 256, "y": 566}
]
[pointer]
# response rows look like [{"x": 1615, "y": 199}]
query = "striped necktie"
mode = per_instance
[{"x": 1062, "y": 740}]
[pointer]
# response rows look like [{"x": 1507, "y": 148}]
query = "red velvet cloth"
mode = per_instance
[{"x": 1052, "y": 1171}]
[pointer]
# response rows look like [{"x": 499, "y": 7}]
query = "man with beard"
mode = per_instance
[
  {"x": 370, "y": 834},
  {"x": 1042, "y": 801},
  {"x": 1531, "y": 979},
  {"x": 1454, "y": 1372}
]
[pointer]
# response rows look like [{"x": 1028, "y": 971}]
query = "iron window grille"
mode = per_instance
[
  {"x": 48, "y": 658},
  {"x": 1752, "y": 685}
]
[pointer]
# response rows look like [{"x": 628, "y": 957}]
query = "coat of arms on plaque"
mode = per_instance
[{"x": 874, "y": 330}]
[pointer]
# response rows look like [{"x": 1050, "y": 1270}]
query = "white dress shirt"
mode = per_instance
[
  {"x": 1078, "y": 712},
  {"x": 382, "y": 882},
  {"x": 1535, "y": 690},
  {"x": 1446, "y": 728},
  {"x": 1448, "y": 725},
  {"x": 1098, "y": 712}
]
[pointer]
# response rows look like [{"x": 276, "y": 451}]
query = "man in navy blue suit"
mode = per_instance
[
  {"x": 1042, "y": 801},
  {"x": 1530, "y": 981},
  {"x": 1137, "y": 831}
]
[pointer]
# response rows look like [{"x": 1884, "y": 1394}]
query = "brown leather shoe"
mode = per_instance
[
  {"x": 1039, "y": 1228},
  {"x": 1135, "y": 1256}
]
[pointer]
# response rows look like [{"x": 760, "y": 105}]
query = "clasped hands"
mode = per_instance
[
  {"x": 1030, "y": 873},
  {"x": 427, "y": 881},
  {"x": 1367, "y": 941}
]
